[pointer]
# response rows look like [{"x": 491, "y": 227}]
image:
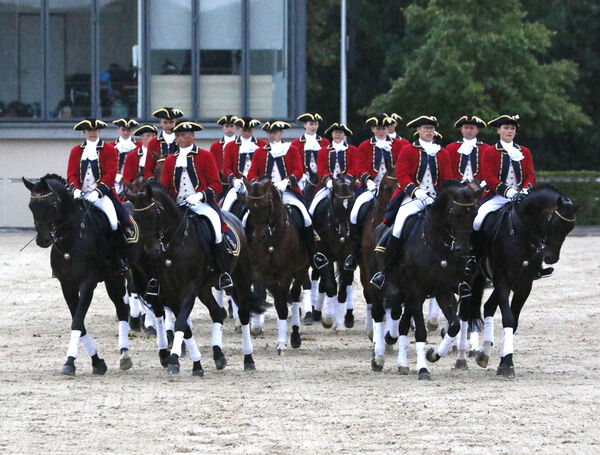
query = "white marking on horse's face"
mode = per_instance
[{"x": 345, "y": 203}]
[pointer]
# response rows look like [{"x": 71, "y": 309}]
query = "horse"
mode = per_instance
[
  {"x": 332, "y": 223},
  {"x": 279, "y": 257},
  {"x": 511, "y": 246},
  {"x": 182, "y": 270},
  {"x": 84, "y": 253},
  {"x": 431, "y": 263}
]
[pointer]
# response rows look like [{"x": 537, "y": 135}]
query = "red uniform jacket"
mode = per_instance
[
  {"x": 132, "y": 169},
  {"x": 202, "y": 170},
  {"x": 369, "y": 158},
  {"x": 304, "y": 157},
  {"x": 122, "y": 156},
  {"x": 157, "y": 145},
  {"x": 412, "y": 163},
  {"x": 496, "y": 163},
  {"x": 104, "y": 169},
  {"x": 458, "y": 161},
  {"x": 346, "y": 159},
  {"x": 232, "y": 168},
  {"x": 289, "y": 165}
]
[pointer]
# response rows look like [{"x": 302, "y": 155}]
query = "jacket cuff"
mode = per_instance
[
  {"x": 231, "y": 178},
  {"x": 103, "y": 188},
  {"x": 293, "y": 180},
  {"x": 364, "y": 177},
  {"x": 209, "y": 194},
  {"x": 501, "y": 189},
  {"x": 324, "y": 180},
  {"x": 410, "y": 190}
]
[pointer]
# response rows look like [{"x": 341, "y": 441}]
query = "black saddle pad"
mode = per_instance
[
  {"x": 364, "y": 211},
  {"x": 296, "y": 217},
  {"x": 494, "y": 221},
  {"x": 206, "y": 235},
  {"x": 383, "y": 232}
]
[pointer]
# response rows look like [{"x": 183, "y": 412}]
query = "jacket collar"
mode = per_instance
[
  {"x": 373, "y": 140},
  {"x": 478, "y": 142},
  {"x": 238, "y": 140},
  {"x": 99, "y": 146},
  {"x": 194, "y": 150},
  {"x": 501, "y": 149},
  {"x": 303, "y": 138}
]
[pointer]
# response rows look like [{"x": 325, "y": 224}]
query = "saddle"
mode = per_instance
[
  {"x": 296, "y": 218},
  {"x": 409, "y": 230},
  {"x": 206, "y": 235},
  {"x": 364, "y": 212}
]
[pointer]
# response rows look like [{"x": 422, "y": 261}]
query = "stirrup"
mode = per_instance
[
  {"x": 350, "y": 262},
  {"x": 225, "y": 281},
  {"x": 378, "y": 280},
  {"x": 123, "y": 266},
  {"x": 470, "y": 265},
  {"x": 320, "y": 261},
  {"x": 545, "y": 273},
  {"x": 464, "y": 290}
]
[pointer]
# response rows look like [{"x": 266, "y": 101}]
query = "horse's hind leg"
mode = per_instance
[
  {"x": 393, "y": 312},
  {"x": 489, "y": 309},
  {"x": 181, "y": 325},
  {"x": 329, "y": 286},
  {"x": 280, "y": 296},
  {"x": 346, "y": 278},
  {"x": 447, "y": 303},
  {"x": 403, "y": 328},
  {"x": 217, "y": 314},
  {"x": 416, "y": 303},
  {"x": 506, "y": 367},
  {"x": 116, "y": 289},
  {"x": 470, "y": 317},
  {"x": 307, "y": 303},
  {"x": 378, "y": 312},
  {"x": 195, "y": 356},
  {"x": 295, "y": 338}
]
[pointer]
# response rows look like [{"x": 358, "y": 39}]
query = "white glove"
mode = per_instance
[
  {"x": 92, "y": 197},
  {"x": 77, "y": 193},
  {"x": 524, "y": 191},
  {"x": 371, "y": 186},
  {"x": 118, "y": 178},
  {"x": 421, "y": 194},
  {"x": 193, "y": 199},
  {"x": 329, "y": 184},
  {"x": 510, "y": 193},
  {"x": 238, "y": 184},
  {"x": 281, "y": 186}
]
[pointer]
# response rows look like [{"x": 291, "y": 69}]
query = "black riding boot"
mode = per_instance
[
  {"x": 544, "y": 272},
  {"x": 389, "y": 261},
  {"x": 351, "y": 261},
  {"x": 318, "y": 259},
  {"x": 223, "y": 263}
]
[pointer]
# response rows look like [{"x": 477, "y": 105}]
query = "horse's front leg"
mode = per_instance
[
  {"x": 447, "y": 304},
  {"x": 415, "y": 302},
  {"x": 116, "y": 289},
  {"x": 331, "y": 303},
  {"x": 378, "y": 312},
  {"x": 506, "y": 367},
  {"x": 489, "y": 308},
  {"x": 188, "y": 295},
  {"x": 280, "y": 295},
  {"x": 217, "y": 314},
  {"x": 403, "y": 328},
  {"x": 346, "y": 278},
  {"x": 295, "y": 338}
]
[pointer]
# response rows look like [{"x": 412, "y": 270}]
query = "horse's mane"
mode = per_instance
[
  {"x": 547, "y": 187},
  {"x": 451, "y": 183},
  {"x": 54, "y": 177}
]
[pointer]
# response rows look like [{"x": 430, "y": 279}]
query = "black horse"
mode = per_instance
[
  {"x": 431, "y": 263},
  {"x": 511, "y": 246},
  {"x": 84, "y": 252}
]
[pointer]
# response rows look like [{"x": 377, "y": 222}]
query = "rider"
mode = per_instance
[
  {"x": 191, "y": 176},
  {"x": 280, "y": 162},
  {"x": 308, "y": 146},
  {"x": 124, "y": 144},
  {"x": 422, "y": 168},
  {"x": 91, "y": 176},
  {"x": 227, "y": 123},
  {"x": 374, "y": 155},
  {"x": 164, "y": 144},
  {"x": 391, "y": 129},
  {"x": 136, "y": 159},
  {"x": 238, "y": 158},
  {"x": 465, "y": 155}
]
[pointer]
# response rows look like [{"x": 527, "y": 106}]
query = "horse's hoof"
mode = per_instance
[
  {"x": 198, "y": 371},
  {"x": 317, "y": 315},
  {"x": 249, "y": 364},
  {"x": 390, "y": 340},
  {"x": 163, "y": 355},
  {"x": 424, "y": 375},
  {"x": 135, "y": 323},
  {"x": 281, "y": 349},
  {"x": 327, "y": 322},
  {"x": 255, "y": 331},
  {"x": 377, "y": 362},
  {"x": 473, "y": 353},
  {"x": 125, "y": 362},
  {"x": 150, "y": 331},
  {"x": 432, "y": 356},
  {"x": 238, "y": 329},
  {"x": 403, "y": 371},
  {"x": 482, "y": 359},
  {"x": 461, "y": 364},
  {"x": 68, "y": 369},
  {"x": 173, "y": 368},
  {"x": 432, "y": 325},
  {"x": 295, "y": 339},
  {"x": 349, "y": 319},
  {"x": 220, "y": 362},
  {"x": 170, "y": 338},
  {"x": 100, "y": 368},
  {"x": 370, "y": 334},
  {"x": 308, "y": 318},
  {"x": 506, "y": 371}
]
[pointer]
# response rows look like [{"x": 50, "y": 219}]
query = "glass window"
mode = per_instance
[
  {"x": 220, "y": 44},
  {"x": 119, "y": 59},
  {"x": 171, "y": 55},
  {"x": 69, "y": 81},
  {"x": 268, "y": 59},
  {"x": 21, "y": 59}
]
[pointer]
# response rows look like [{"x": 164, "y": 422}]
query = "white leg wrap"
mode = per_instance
[
  {"x": 330, "y": 307},
  {"x": 402, "y": 348},
  {"x": 474, "y": 341},
  {"x": 150, "y": 318},
  {"x": 488, "y": 329},
  {"x": 282, "y": 331},
  {"x": 463, "y": 343},
  {"x": 388, "y": 320},
  {"x": 177, "y": 340},
  {"x": 314, "y": 293},
  {"x": 434, "y": 309},
  {"x": 73, "y": 350},
  {"x": 295, "y": 314},
  {"x": 218, "y": 295},
  {"x": 340, "y": 312},
  {"x": 369, "y": 318},
  {"x": 421, "y": 362},
  {"x": 444, "y": 346},
  {"x": 88, "y": 344},
  {"x": 247, "y": 348},
  {"x": 236, "y": 310},
  {"x": 217, "y": 335},
  {"x": 161, "y": 334},
  {"x": 169, "y": 319},
  {"x": 378, "y": 339},
  {"x": 307, "y": 300},
  {"x": 394, "y": 332},
  {"x": 508, "y": 342},
  {"x": 192, "y": 347},
  {"x": 123, "y": 335},
  {"x": 349, "y": 298},
  {"x": 134, "y": 305},
  {"x": 320, "y": 301},
  {"x": 256, "y": 320}
]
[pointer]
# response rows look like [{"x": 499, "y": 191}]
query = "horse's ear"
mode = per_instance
[
  {"x": 28, "y": 184},
  {"x": 148, "y": 191},
  {"x": 155, "y": 155}
]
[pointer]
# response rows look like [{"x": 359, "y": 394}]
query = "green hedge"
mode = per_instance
[{"x": 582, "y": 187}]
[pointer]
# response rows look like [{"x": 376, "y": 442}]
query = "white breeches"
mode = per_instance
[
  {"x": 488, "y": 206},
  {"x": 290, "y": 198},
  {"x": 231, "y": 197},
  {"x": 360, "y": 200},
  {"x": 321, "y": 194},
  {"x": 408, "y": 208},
  {"x": 106, "y": 205},
  {"x": 203, "y": 209}
]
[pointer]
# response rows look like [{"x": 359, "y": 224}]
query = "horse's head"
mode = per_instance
[
  {"x": 160, "y": 161},
  {"x": 147, "y": 214},
  {"x": 47, "y": 204},
  {"x": 342, "y": 196},
  {"x": 388, "y": 184},
  {"x": 134, "y": 187},
  {"x": 262, "y": 196},
  {"x": 455, "y": 208}
]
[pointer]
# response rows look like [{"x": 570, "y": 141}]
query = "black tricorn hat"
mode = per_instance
[
  {"x": 227, "y": 119},
  {"x": 470, "y": 120},
  {"x": 124, "y": 123},
  {"x": 339, "y": 127},
  {"x": 168, "y": 113},
  {"x": 145, "y": 129},
  {"x": 184, "y": 126},
  {"x": 247, "y": 123},
  {"x": 423, "y": 120},
  {"x": 310, "y": 117},
  {"x": 275, "y": 125},
  {"x": 380, "y": 120},
  {"x": 505, "y": 120},
  {"x": 395, "y": 117},
  {"x": 90, "y": 124}
]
